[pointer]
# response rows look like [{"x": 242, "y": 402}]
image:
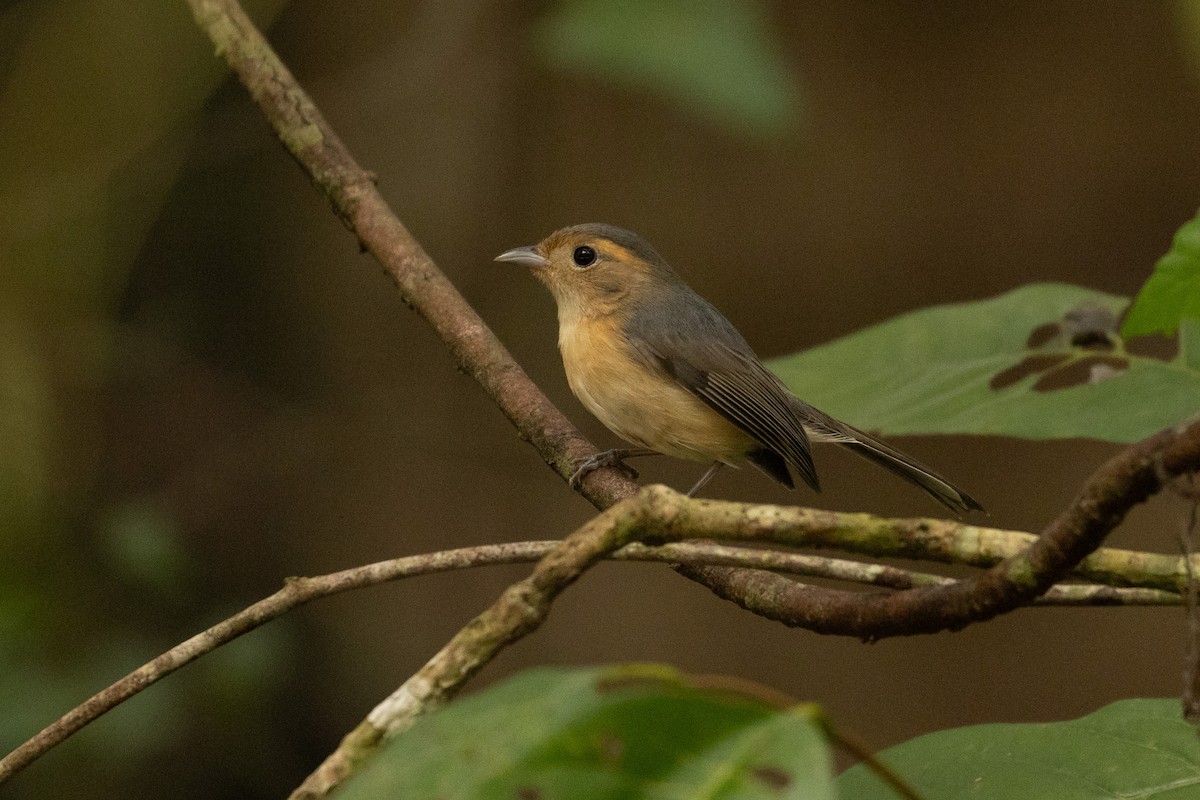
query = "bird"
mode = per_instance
[{"x": 664, "y": 370}]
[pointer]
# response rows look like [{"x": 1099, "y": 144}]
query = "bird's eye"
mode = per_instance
[{"x": 583, "y": 256}]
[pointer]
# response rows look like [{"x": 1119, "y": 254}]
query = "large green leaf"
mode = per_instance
[
  {"x": 1172, "y": 293},
  {"x": 616, "y": 732},
  {"x": 958, "y": 369},
  {"x": 1131, "y": 749},
  {"x": 718, "y": 57}
]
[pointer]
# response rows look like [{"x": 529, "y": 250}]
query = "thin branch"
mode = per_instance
[
  {"x": 351, "y": 192},
  {"x": 711, "y": 554},
  {"x": 296, "y": 592},
  {"x": 1086, "y": 594},
  {"x": 954, "y": 542}
]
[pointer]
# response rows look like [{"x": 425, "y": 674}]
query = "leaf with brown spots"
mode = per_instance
[{"x": 1041, "y": 362}]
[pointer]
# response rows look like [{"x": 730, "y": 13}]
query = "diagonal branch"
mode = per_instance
[
  {"x": 518, "y": 611},
  {"x": 295, "y": 593},
  {"x": 351, "y": 192}
]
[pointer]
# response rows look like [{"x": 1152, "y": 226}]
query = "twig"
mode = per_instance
[
  {"x": 954, "y": 542},
  {"x": 710, "y": 554},
  {"x": 1083, "y": 594},
  {"x": 296, "y": 592}
]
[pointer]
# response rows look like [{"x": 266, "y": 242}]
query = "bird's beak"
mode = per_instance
[{"x": 525, "y": 256}]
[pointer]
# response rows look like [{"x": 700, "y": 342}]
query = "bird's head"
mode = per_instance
[{"x": 594, "y": 269}]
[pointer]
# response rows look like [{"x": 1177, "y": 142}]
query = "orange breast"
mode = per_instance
[{"x": 642, "y": 404}]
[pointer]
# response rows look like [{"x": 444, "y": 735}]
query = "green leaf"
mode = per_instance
[
  {"x": 617, "y": 732},
  {"x": 959, "y": 369},
  {"x": 1173, "y": 291},
  {"x": 1131, "y": 749},
  {"x": 716, "y": 56}
]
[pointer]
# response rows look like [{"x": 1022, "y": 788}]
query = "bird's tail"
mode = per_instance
[
  {"x": 916, "y": 473},
  {"x": 821, "y": 426}
]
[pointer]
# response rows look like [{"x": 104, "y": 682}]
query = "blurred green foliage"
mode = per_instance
[
  {"x": 716, "y": 57},
  {"x": 94, "y": 100},
  {"x": 143, "y": 547},
  {"x": 90, "y": 130}
]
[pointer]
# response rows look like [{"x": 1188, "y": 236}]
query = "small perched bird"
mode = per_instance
[{"x": 663, "y": 369}]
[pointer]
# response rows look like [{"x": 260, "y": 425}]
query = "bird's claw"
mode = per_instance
[{"x": 609, "y": 458}]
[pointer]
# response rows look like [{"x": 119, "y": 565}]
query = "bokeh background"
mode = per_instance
[{"x": 204, "y": 387}]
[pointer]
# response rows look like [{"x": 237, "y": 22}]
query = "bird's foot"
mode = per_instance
[{"x": 609, "y": 458}]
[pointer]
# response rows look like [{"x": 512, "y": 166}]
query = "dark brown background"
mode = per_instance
[{"x": 265, "y": 406}]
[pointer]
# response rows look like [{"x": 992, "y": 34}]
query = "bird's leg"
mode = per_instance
[
  {"x": 705, "y": 478},
  {"x": 610, "y": 458}
]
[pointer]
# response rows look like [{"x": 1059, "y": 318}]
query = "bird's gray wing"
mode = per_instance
[{"x": 701, "y": 350}]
